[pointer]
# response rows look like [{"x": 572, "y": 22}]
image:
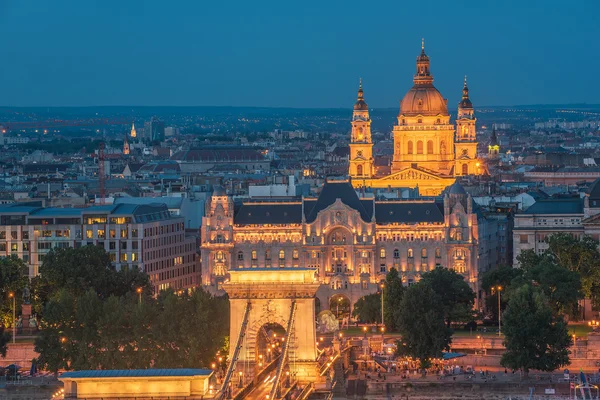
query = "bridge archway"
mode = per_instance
[{"x": 282, "y": 297}]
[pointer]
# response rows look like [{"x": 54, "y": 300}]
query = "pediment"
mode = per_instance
[
  {"x": 411, "y": 173},
  {"x": 593, "y": 220}
]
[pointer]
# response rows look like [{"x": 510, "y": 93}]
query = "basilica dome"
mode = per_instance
[{"x": 423, "y": 100}]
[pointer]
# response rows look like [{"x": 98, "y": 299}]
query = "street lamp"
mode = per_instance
[
  {"x": 382, "y": 287},
  {"x": 594, "y": 324},
  {"x": 241, "y": 381},
  {"x": 12, "y": 295},
  {"x": 365, "y": 331},
  {"x": 498, "y": 290},
  {"x": 139, "y": 292}
]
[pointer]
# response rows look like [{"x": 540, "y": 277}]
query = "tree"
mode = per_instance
[
  {"x": 534, "y": 337},
  {"x": 561, "y": 285},
  {"x": 393, "y": 292},
  {"x": 368, "y": 308},
  {"x": 4, "y": 339},
  {"x": 422, "y": 325},
  {"x": 171, "y": 331},
  {"x": 455, "y": 295},
  {"x": 502, "y": 276},
  {"x": 78, "y": 270},
  {"x": 13, "y": 279}
]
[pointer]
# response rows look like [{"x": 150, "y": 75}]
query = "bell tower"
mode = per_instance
[
  {"x": 466, "y": 137},
  {"x": 494, "y": 146},
  {"x": 361, "y": 145}
]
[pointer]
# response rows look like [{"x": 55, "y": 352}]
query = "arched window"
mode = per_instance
[
  {"x": 240, "y": 255},
  {"x": 219, "y": 270},
  {"x": 396, "y": 253},
  {"x": 465, "y": 169},
  {"x": 295, "y": 254},
  {"x": 359, "y": 170},
  {"x": 410, "y": 147},
  {"x": 254, "y": 255},
  {"x": 382, "y": 253},
  {"x": 410, "y": 253},
  {"x": 268, "y": 255},
  {"x": 420, "y": 147},
  {"x": 219, "y": 238},
  {"x": 430, "y": 147},
  {"x": 438, "y": 252},
  {"x": 423, "y": 252},
  {"x": 443, "y": 147},
  {"x": 281, "y": 255}
]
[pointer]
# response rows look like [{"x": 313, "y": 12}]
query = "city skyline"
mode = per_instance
[{"x": 208, "y": 55}]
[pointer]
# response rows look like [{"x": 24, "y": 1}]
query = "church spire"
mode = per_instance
[
  {"x": 360, "y": 104},
  {"x": 423, "y": 75},
  {"x": 133, "y": 132},
  {"x": 465, "y": 102}
]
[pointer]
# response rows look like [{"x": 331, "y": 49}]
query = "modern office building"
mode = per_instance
[{"x": 144, "y": 236}]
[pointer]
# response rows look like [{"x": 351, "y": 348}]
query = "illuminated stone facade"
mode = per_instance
[
  {"x": 351, "y": 242},
  {"x": 429, "y": 151}
]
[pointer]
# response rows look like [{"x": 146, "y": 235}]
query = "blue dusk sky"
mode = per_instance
[{"x": 289, "y": 53}]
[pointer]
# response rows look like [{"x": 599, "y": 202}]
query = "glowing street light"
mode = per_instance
[
  {"x": 498, "y": 289},
  {"x": 14, "y": 336},
  {"x": 139, "y": 292}
]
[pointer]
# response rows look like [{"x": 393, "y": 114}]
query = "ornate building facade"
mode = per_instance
[
  {"x": 429, "y": 150},
  {"x": 351, "y": 242}
]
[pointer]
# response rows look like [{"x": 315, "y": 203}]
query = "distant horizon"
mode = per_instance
[{"x": 570, "y": 105}]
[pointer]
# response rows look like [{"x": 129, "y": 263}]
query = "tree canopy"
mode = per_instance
[
  {"x": 535, "y": 338},
  {"x": 393, "y": 292},
  {"x": 455, "y": 295},
  {"x": 88, "y": 267},
  {"x": 421, "y": 323},
  {"x": 171, "y": 331},
  {"x": 13, "y": 279},
  {"x": 368, "y": 308}
]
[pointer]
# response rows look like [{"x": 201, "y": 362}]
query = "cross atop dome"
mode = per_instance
[{"x": 423, "y": 75}]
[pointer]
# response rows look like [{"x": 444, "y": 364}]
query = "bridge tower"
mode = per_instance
[{"x": 283, "y": 296}]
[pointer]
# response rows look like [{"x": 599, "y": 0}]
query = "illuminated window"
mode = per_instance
[
  {"x": 364, "y": 254},
  {"x": 134, "y": 257},
  {"x": 123, "y": 257},
  {"x": 295, "y": 254},
  {"x": 313, "y": 254},
  {"x": 281, "y": 255},
  {"x": 124, "y": 233},
  {"x": 254, "y": 255},
  {"x": 101, "y": 233},
  {"x": 219, "y": 256},
  {"x": 410, "y": 253},
  {"x": 382, "y": 253},
  {"x": 112, "y": 234}
]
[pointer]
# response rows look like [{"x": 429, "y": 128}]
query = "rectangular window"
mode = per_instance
[
  {"x": 25, "y": 235},
  {"x": 25, "y": 246},
  {"x": 13, "y": 235},
  {"x": 47, "y": 233},
  {"x": 101, "y": 233},
  {"x": 89, "y": 234},
  {"x": 524, "y": 238},
  {"x": 123, "y": 257},
  {"x": 124, "y": 233},
  {"x": 14, "y": 247},
  {"x": 112, "y": 234},
  {"x": 123, "y": 245},
  {"x": 2, "y": 234},
  {"x": 134, "y": 233},
  {"x": 134, "y": 245}
]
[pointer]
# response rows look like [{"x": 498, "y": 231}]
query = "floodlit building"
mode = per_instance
[
  {"x": 429, "y": 150},
  {"x": 352, "y": 242}
]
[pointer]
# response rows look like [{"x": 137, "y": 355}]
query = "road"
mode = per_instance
[{"x": 263, "y": 389}]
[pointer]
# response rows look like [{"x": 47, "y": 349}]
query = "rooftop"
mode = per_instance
[{"x": 127, "y": 373}]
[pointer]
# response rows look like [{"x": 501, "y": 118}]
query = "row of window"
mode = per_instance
[
  {"x": 254, "y": 255},
  {"x": 160, "y": 230},
  {"x": 410, "y": 253}
]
